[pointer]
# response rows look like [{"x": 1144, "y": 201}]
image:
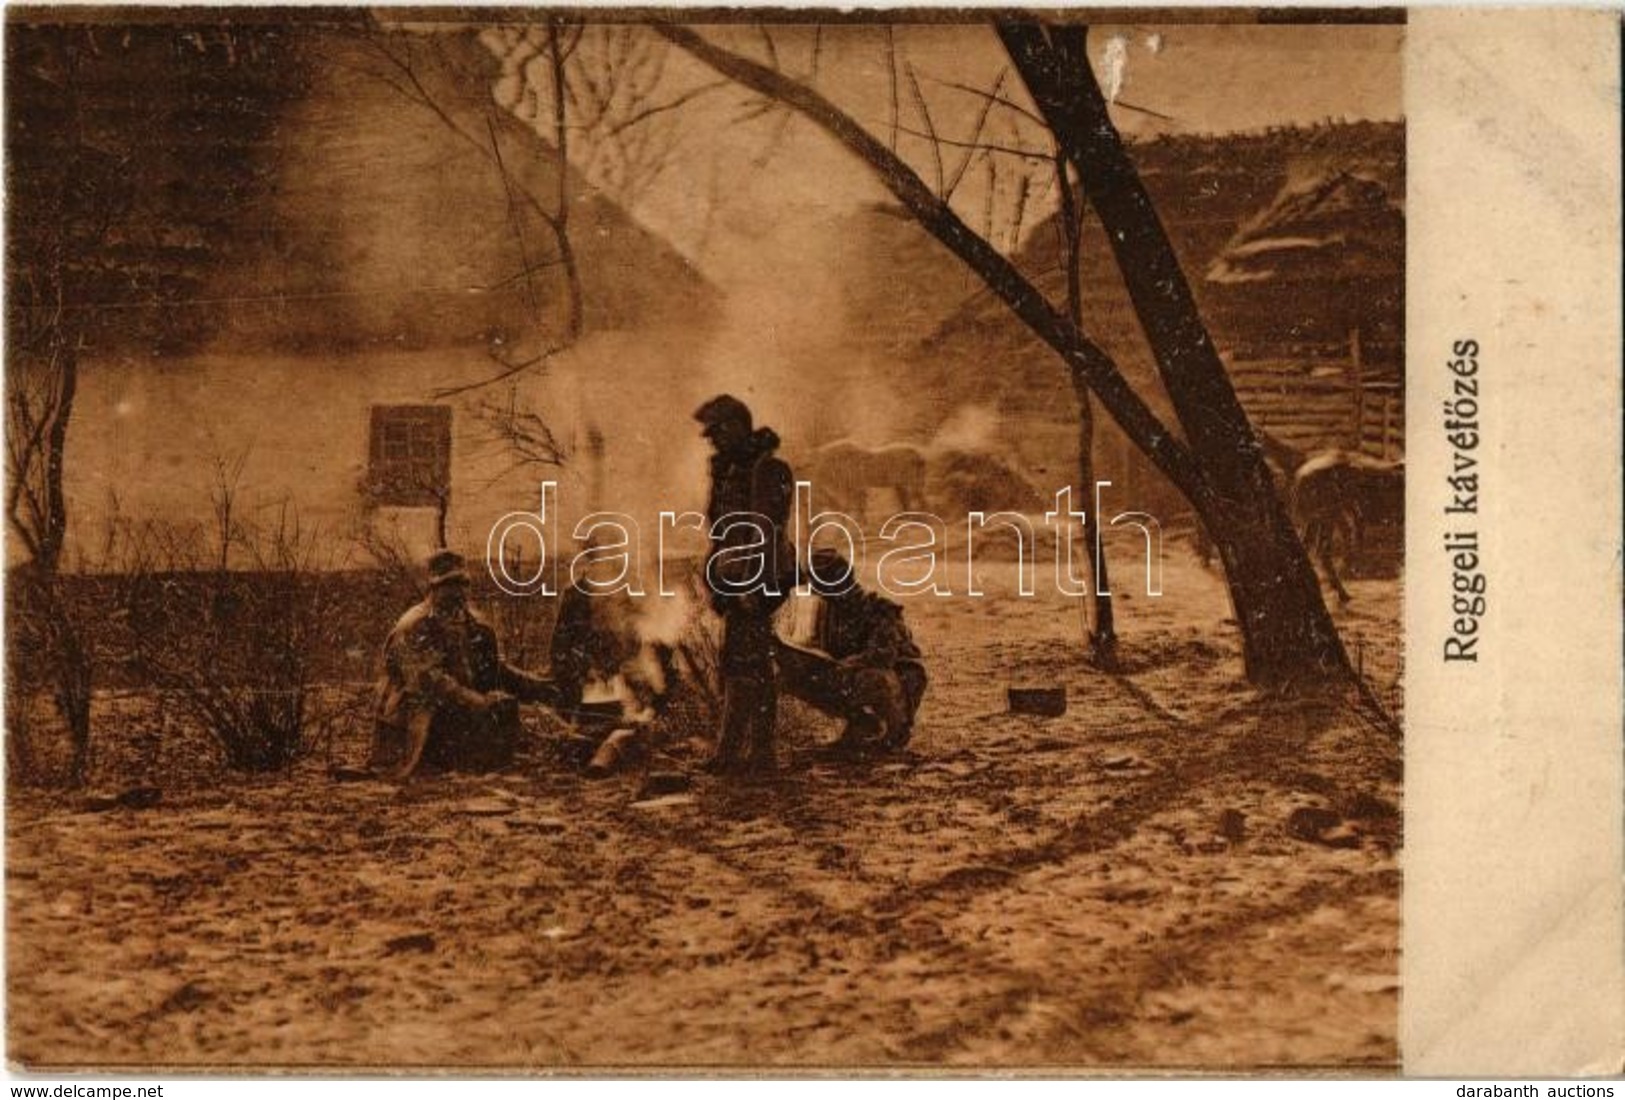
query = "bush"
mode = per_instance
[
  {"x": 235, "y": 650},
  {"x": 47, "y": 656}
]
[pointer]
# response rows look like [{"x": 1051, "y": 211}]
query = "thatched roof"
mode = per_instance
[{"x": 317, "y": 185}]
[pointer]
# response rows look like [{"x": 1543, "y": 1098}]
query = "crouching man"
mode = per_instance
[
  {"x": 863, "y": 668},
  {"x": 446, "y": 699}
]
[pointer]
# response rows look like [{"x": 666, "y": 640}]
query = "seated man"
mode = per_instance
[
  {"x": 446, "y": 699},
  {"x": 865, "y": 668}
]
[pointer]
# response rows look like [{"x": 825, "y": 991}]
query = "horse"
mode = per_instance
[
  {"x": 1332, "y": 496},
  {"x": 1335, "y": 497},
  {"x": 847, "y": 470}
]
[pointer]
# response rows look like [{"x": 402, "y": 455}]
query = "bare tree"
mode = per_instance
[
  {"x": 516, "y": 426},
  {"x": 600, "y": 98},
  {"x": 424, "y": 69},
  {"x": 604, "y": 89},
  {"x": 1069, "y": 224},
  {"x": 1017, "y": 164},
  {"x": 71, "y": 191},
  {"x": 113, "y": 229},
  {"x": 1288, "y": 635}
]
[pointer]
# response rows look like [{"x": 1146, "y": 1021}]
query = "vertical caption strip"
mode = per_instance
[{"x": 1512, "y": 927}]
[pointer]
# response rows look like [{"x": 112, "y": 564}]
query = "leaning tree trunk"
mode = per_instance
[
  {"x": 1288, "y": 635},
  {"x": 1288, "y": 639}
]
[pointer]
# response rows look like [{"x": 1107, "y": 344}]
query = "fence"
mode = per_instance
[{"x": 1353, "y": 401}]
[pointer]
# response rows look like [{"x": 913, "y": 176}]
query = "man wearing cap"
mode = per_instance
[
  {"x": 446, "y": 698},
  {"x": 749, "y": 571},
  {"x": 863, "y": 666}
]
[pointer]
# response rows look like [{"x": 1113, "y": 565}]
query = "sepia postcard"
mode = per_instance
[{"x": 790, "y": 541}]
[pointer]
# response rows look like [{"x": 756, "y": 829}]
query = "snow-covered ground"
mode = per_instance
[{"x": 1124, "y": 885}]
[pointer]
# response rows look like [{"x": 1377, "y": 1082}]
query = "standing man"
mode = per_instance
[
  {"x": 748, "y": 571},
  {"x": 446, "y": 698}
]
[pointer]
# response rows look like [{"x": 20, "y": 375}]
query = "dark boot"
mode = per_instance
[
  {"x": 879, "y": 696},
  {"x": 750, "y": 694},
  {"x": 859, "y": 736},
  {"x": 911, "y": 678},
  {"x": 735, "y": 732},
  {"x": 761, "y": 757}
]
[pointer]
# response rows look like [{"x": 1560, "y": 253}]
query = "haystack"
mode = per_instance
[{"x": 964, "y": 481}]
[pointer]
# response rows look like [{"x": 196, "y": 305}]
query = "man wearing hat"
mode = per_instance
[
  {"x": 748, "y": 510},
  {"x": 863, "y": 665},
  {"x": 446, "y": 698}
]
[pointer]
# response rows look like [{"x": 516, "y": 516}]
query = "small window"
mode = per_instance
[{"x": 409, "y": 459}]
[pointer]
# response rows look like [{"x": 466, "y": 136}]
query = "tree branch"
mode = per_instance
[
  {"x": 891, "y": 69},
  {"x": 1054, "y": 64},
  {"x": 930, "y": 127},
  {"x": 1082, "y": 356},
  {"x": 976, "y": 136},
  {"x": 976, "y": 146},
  {"x": 661, "y": 108},
  {"x": 509, "y": 370},
  {"x": 991, "y": 97}
]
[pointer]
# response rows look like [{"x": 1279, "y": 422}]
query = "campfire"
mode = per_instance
[{"x": 638, "y": 675}]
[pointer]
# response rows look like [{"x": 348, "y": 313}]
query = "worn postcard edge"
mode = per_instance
[{"x": 1512, "y": 940}]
